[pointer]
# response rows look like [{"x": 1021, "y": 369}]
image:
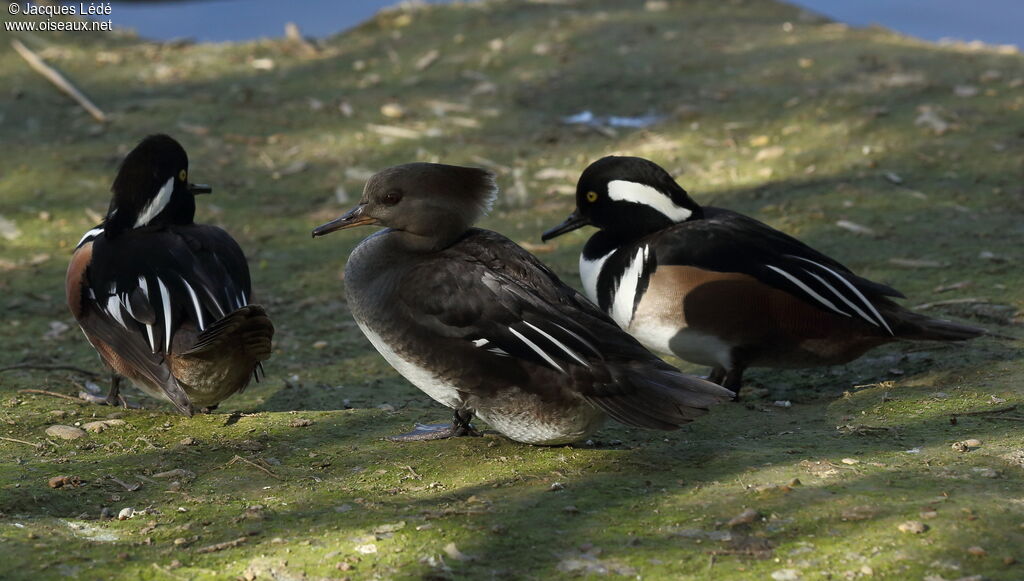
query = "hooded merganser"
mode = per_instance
[
  {"x": 165, "y": 301},
  {"x": 483, "y": 327},
  {"x": 718, "y": 288}
]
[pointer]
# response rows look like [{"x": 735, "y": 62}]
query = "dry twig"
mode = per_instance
[
  {"x": 53, "y": 394},
  {"x": 238, "y": 458},
  {"x": 51, "y": 74}
]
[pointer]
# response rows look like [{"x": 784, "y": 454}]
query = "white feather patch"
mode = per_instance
[
  {"x": 558, "y": 343},
  {"x": 809, "y": 291},
  {"x": 625, "y": 292},
  {"x": 590, "y": 271},
  {"x": 626, "y": 191},
  {"x": 90, "y": 235},
  {"x": 157, "y": 204},
  {"x": 165, "y": 298},
  {"x": 198, "y": 308},
  {"x": 536, "y": 349},
  {"x": 864, "y": 300}
]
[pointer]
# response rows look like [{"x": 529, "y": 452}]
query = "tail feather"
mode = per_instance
[
  {"x": 248, "y": 326},
  {"x": 660, "y": 399},
  {"x": 919, "y": 327}
]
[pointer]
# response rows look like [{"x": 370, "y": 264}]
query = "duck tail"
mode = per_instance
[
  {"x": 248, "y": 325},
  {"x": 660, "y": 399}
]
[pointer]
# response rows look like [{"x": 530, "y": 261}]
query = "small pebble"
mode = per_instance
[
  {"x": 556, "y": 486},
  {"x": 929, "y": 514},
  {"x": 786, "y": 575},
  {"x": 300, "y": 423},
  {"x": 850, "y": 461},
  {"x": 571, "y": 509},
  {"x": 319, "y": 344},
  {"x": 783, "y": 404},
  {"x": 65, "y": 432},
  {"x": 746, "y": 517},
  {"x": 913, "y": 526},
  {"x": 188, "y": 441},
  {"x": 977, "y": 551}
]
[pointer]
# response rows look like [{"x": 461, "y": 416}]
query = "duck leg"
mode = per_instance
[
  {"x": 716, "y": 375},
  {"x": 460, "y": 426},
  {"x": 734, "y": 381},
  {"x": 113, "y": 397}
]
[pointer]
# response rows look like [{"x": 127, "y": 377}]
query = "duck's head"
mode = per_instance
[
  {"x": 152, "y": 187},
  {"x": 428, "y": 205},
  {"x": 629, "y": 196}
]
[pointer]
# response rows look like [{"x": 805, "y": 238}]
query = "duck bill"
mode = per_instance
[
  {"x": 353, "y": 218},
  {"x": 196, "y": 189},
  {"x": 573, "y": 222}
]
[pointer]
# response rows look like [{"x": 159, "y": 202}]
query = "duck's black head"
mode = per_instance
[
  {"x": 152, "y": 187},
  {"x": 628, "y": 196},
  {"x": 429, "y": 205}
]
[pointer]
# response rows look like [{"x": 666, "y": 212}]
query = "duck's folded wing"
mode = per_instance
[
  {"x": 140, "y": 290},
  {"x": 517, "y": 308},
  {"x": 729, "y": 242}
]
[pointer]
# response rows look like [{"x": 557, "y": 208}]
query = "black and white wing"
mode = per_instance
[
  {"x": 141, "y": 287},
  {"x": 489, "y": 293},
  {"x": 729, "y": 242}
]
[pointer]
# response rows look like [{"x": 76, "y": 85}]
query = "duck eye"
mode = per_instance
[
  {"x": 591, "y": 197},
  {"x": 391, "y": 198},
  {"x": 182, "y": 175}
]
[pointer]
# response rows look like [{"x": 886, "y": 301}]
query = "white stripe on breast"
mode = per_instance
[
  {"x": 590, "y": 271},
  {"x": 625, "y": 290},
  {"x": 438, "y": 389}
]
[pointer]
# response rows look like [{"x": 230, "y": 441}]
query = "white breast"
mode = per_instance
[
  {"x": 590, "y": 270},
  {"x": 439, "y": 390}
]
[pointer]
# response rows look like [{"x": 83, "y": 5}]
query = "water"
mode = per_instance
[
  {"x": 229, "y": 20},
  {"x": 992, "y": 21}
]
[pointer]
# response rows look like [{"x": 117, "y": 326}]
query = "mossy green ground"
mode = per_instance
[{"x": 799, "y": 122}]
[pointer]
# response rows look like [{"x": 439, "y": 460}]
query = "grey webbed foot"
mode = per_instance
[{"x": 459, "y": 427}]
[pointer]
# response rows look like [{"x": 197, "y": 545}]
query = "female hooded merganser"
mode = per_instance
[
  {"x": 483, "y": 327},
  {"x": 719, "y": 288},
  {"x": 165, "y": 301}
]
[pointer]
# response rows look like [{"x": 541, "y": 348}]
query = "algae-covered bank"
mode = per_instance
[{"x": 901, "y": 158}]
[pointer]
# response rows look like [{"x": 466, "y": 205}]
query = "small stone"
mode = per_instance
[
  {"x": 65, "y": 432},
  {"x": 867, "y": 570},
  {"x": 850, "y": 461},
  {"x": 99, "y": 426},
  {"x": 744, "y": 518},
  {"x": 343, "y": 566},
  {"x": 855, "y": 513},
  {"x": 977, "y": 551},
  {"x": 986, "y": 472},
  {"x": 188, "y": 441},
  {"x": 126, "y": 513},
  {"x": 556, "y": 486},
  {"x": 929, "y": 514},
  {"x": 786, "y": 575},
  {"x": 300, "y": 423},
  {"x": 392, "y": 110},
  {"x": 368, "y": 549},
  {"x": 783, "y": 404},
  {"x": 913, "y": 526},
  {"x": 65, "y": 482},
  {"x": 319, "y": 344},
  {"x": 966, "y": 445},
  {"x": 570, "y": 509}
]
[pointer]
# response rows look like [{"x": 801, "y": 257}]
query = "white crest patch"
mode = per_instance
[
  {"x": 626, "y": 191},
  {"x": 156, "y": 205}
]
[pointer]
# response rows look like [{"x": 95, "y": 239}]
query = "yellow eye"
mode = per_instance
[
  {"x": 182, "y": 175},
  {"x": 591, "y": 197}
]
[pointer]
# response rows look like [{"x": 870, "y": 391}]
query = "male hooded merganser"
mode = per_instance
[
  {"x": 483, "y": 327},
  {"x": 719, "y": 288},
  {"x": 165, "y": 301}
]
